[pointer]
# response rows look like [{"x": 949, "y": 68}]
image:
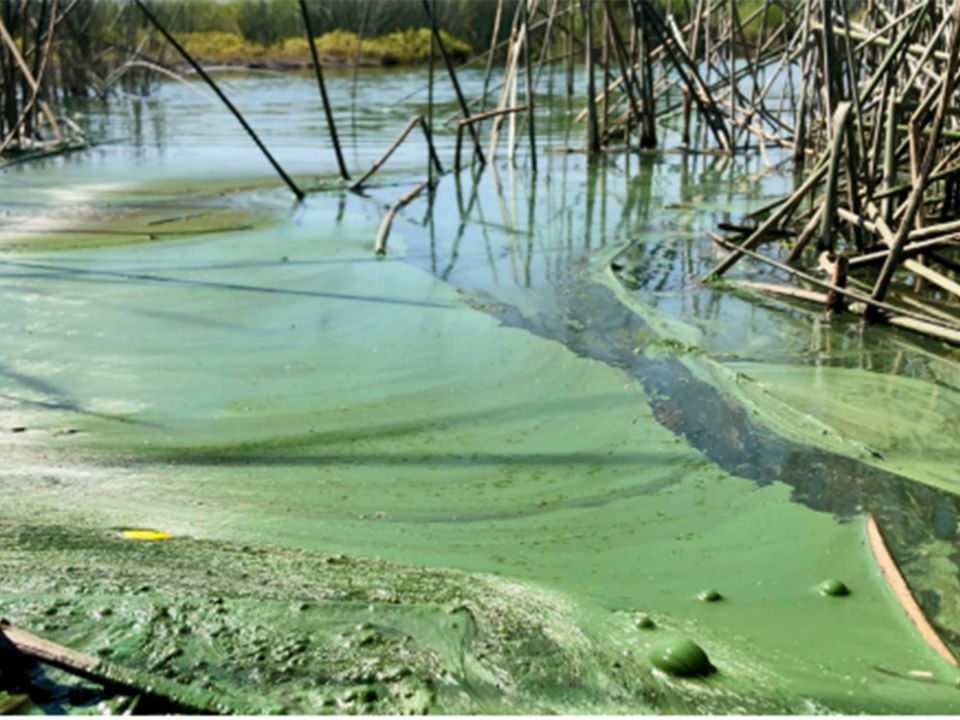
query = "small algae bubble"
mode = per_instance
[
  {"x": 681, "y": 657},
  {"x": 145, "y": 535},
  {"x": 644, "y": 622},
  {"x": 709, "y": 596},
  {"x": 833, "y": 588}
]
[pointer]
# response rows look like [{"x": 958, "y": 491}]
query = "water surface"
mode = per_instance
[{"x": 531, "y": 385}]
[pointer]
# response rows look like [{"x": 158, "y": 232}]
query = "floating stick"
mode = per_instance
[{"x": 182, "y": 698}]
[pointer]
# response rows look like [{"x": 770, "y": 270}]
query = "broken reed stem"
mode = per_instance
[
  {"x": 846, "y": 292},
  {"x": 841, "y": 116},
  {"x": 39, "y": 70},
  {"x": 593, "y": 130},
  {"x": 757, "y": 236},
  {"x": 427, "y": 125},
  {"x": 916, "y": 195},
  {"x": 921, "y": 327},
  {"x": 623, "y": 61},
  {"x": 453, "y": 77},
  {"x": 475, "y": 119},
  {"x": 182, "y": 698},
  {"x": 860, "y": 77},
  {"x": 493, "y": 45},
  {"x": 28, "y": 78},
  {"x": 529, "y": 89},
  {"x": 838, "y": 277},
  {"x": 298, "y": 193},
  {"x": 709, "y": 109},
  {"x": 411, "y": 124},
  {"x": 380, "y": 246},
  {"x": 433, "y": 162},
  {"x": 331, "y": 125}
]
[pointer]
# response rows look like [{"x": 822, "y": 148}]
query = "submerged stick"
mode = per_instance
[{"x": 298, "y": 193}]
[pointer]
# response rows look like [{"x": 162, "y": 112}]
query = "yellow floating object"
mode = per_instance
[{"x": 148, "y": 535}]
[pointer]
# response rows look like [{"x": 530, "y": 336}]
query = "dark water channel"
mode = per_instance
[{"x": 588, "y": 318}]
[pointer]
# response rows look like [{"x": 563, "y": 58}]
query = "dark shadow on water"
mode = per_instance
[
  {"x": 75, "y": 408},
  {"x": 71, "y": 273},
  {"x": 908, "y": 512},
  {"x": 426, "y": 459},
  {"x": 58, "y": 399},
  {"x": 307, "y": 440},
  {"x": 588, "y": 318}
]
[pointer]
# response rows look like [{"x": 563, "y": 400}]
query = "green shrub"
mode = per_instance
[
  {"x": 413, "y": 46},
  {"x": 338, "y": 46},
  {"x": 219, "y": 47}
]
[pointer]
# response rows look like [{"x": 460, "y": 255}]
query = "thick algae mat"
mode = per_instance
[
  {"x": 273, "y": 631},
  {"x": 417, "y": 429},
  {"x": 452, "y": 480}
]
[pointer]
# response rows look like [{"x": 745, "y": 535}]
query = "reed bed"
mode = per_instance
[{"x": 863, "y": 98}]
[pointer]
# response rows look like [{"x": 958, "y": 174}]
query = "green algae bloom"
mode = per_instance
[{"x": 495, "y": 466}]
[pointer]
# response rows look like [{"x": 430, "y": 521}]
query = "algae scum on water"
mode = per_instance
[
  {"x": 265, "y": 630},
  {"x": 522, "y": 464}
]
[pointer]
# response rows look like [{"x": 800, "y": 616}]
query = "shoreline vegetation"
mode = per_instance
[
  {"x": 269, "y": 34},
  {"x": 368, "y": 33},
  {"x": 338, "y": 48}
]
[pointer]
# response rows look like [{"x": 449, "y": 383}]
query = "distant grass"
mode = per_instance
[{"x": 403, "y": 47}]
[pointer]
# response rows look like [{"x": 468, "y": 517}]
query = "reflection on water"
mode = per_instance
[{"x": 532, "y": 263}]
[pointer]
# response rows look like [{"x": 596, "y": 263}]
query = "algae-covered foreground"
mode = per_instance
[
  {"x": 265, "y": 630},
  {"x": 486, "y": 474}
]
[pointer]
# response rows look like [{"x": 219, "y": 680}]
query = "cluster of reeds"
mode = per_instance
[
  {"x": 25, "y": 114},
  {"x": 863, "y": 97},
  {"x": 53, "y": 51},
  {"x": 877, "y": 215}
]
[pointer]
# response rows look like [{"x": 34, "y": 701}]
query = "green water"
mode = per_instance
[{"x": 489, "y": 417}]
